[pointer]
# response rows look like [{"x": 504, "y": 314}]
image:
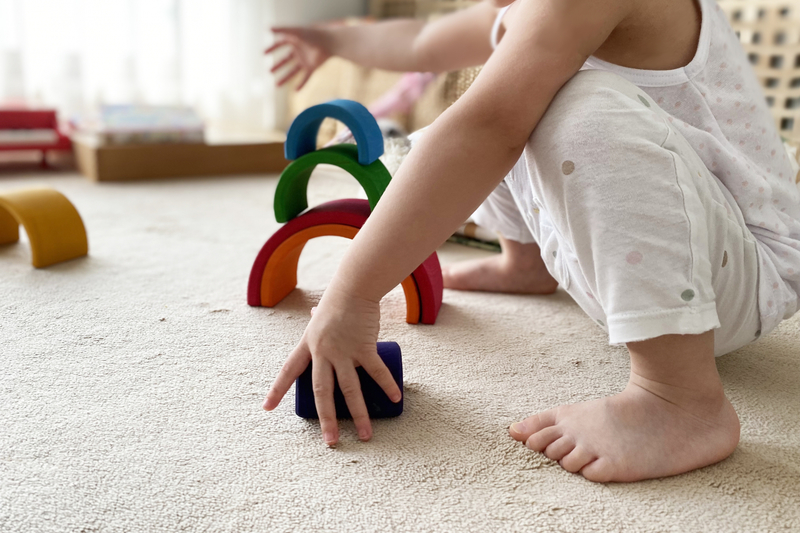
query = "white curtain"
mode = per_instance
[{"x": 77, "y": 54}]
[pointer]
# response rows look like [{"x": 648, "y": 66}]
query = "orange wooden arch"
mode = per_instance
[{"x": 280, "y": 274}]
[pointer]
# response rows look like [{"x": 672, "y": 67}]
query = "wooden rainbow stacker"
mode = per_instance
[{"x": 274, "y": 272}]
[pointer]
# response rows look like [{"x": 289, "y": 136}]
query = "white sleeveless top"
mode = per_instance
[{"x": 716, "y": 102}]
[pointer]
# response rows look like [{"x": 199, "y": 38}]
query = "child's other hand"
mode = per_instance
[
  {"x": 308, "y": 50},
  {"x": 343, "y": 136},
  {"x": 341, "y": 336}
]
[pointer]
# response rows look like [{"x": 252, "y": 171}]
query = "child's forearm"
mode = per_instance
[
  {"x": 454, "y": 41},
  {"x": 386, "y": 45},
  {"x": 442, "y": 181}
]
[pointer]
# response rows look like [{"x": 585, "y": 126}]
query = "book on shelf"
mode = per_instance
[{"x": 142, "y": 124}]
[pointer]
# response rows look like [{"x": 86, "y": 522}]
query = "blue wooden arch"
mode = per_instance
[{"x": 302, "y": 136}]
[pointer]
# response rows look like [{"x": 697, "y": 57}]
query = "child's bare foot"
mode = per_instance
[
  {"x": 672, "y": 417},
  {"x": 519, "y": 269}
]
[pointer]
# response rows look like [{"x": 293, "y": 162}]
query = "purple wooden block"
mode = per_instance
[{"x": 378, "y": 404}]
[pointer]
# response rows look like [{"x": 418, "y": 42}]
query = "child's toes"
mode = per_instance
[
  {"x": 577, "y": 459},
  {"x": 540, "y": 440},
  {"x": 599, "y": 471},
  {"x": 522, "y": 431},
  {"x": 559, "y": 448}
]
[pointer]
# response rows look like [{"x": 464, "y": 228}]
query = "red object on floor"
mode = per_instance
[
  {"x": 31, "y": 129},
  {"x": 348, "y": 212},
  {"x": 431, "y": 289}
]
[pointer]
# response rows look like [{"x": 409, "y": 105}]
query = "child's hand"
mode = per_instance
[
  {"x": 342, "y": 335},
  {"x": 308, "y": 50}
]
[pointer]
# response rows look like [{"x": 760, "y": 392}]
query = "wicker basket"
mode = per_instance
[
  {"x": 458, "y": 81},
  {"x": 415, "y": 8},
  {"x": 770, "y": 34}
]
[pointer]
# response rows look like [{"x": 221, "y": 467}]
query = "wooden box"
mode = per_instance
[{"x": 154, "y": 161}]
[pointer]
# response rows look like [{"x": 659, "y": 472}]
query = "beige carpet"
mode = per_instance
[{"x": 132, "y": 380}]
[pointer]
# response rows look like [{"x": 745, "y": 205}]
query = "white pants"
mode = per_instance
[{"x": 629, "y": 220}]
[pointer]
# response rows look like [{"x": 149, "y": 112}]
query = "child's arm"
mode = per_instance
[
  {"x": 455, "y": 41},
  {"x": 462, "y": 157}
]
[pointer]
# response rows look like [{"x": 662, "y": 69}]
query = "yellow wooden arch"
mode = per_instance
[{"x": 53, "y": 225}]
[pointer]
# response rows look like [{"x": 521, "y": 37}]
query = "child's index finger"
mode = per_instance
[
  {"x": 294, "y": 366},
  {"x": 276, "y": 46}
]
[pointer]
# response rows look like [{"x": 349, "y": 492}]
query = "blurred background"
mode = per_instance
[
  {"x": 194, "y": 71},
  {"x": 76, "y": 55},
  {"x": 86, "y": 76}
]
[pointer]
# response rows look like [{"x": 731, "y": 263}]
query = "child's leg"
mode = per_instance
[
  {"x": 633, "y": 225},
  {"x": 671, "y": 418},
  {"x": 519, "y": 268}
]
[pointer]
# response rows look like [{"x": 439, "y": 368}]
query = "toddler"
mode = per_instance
[{"x": 623, "y": 150}]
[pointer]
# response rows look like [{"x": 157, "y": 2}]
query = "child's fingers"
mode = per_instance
[
  {"x": 378, "y": 371},
  {"x": 322, "y": 380},
  {"x": 287, "y": 30},
  {"x": 342, "y": 137},
  {"x": 294, "y": 366},
  {"x": 278, "y": 44},
  {"x": 350, "y": 386},
  {"x": 282, "y": 62},
  {"x": 305, "y": 79},
  {"x": 289, "y": 76}
]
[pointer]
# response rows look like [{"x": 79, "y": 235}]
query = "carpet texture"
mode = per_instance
[{"x": 132, "y": 381}]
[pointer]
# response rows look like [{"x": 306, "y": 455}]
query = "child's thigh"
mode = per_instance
[{"x": 634, "y": 218}]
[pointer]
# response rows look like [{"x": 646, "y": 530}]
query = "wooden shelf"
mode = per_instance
[{"x": 155, "y": 161}]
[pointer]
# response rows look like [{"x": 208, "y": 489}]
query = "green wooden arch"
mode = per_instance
[{"x": 291, "y": 195}]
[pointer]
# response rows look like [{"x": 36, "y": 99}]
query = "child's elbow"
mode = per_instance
[{"x": 509, "y": 127}]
